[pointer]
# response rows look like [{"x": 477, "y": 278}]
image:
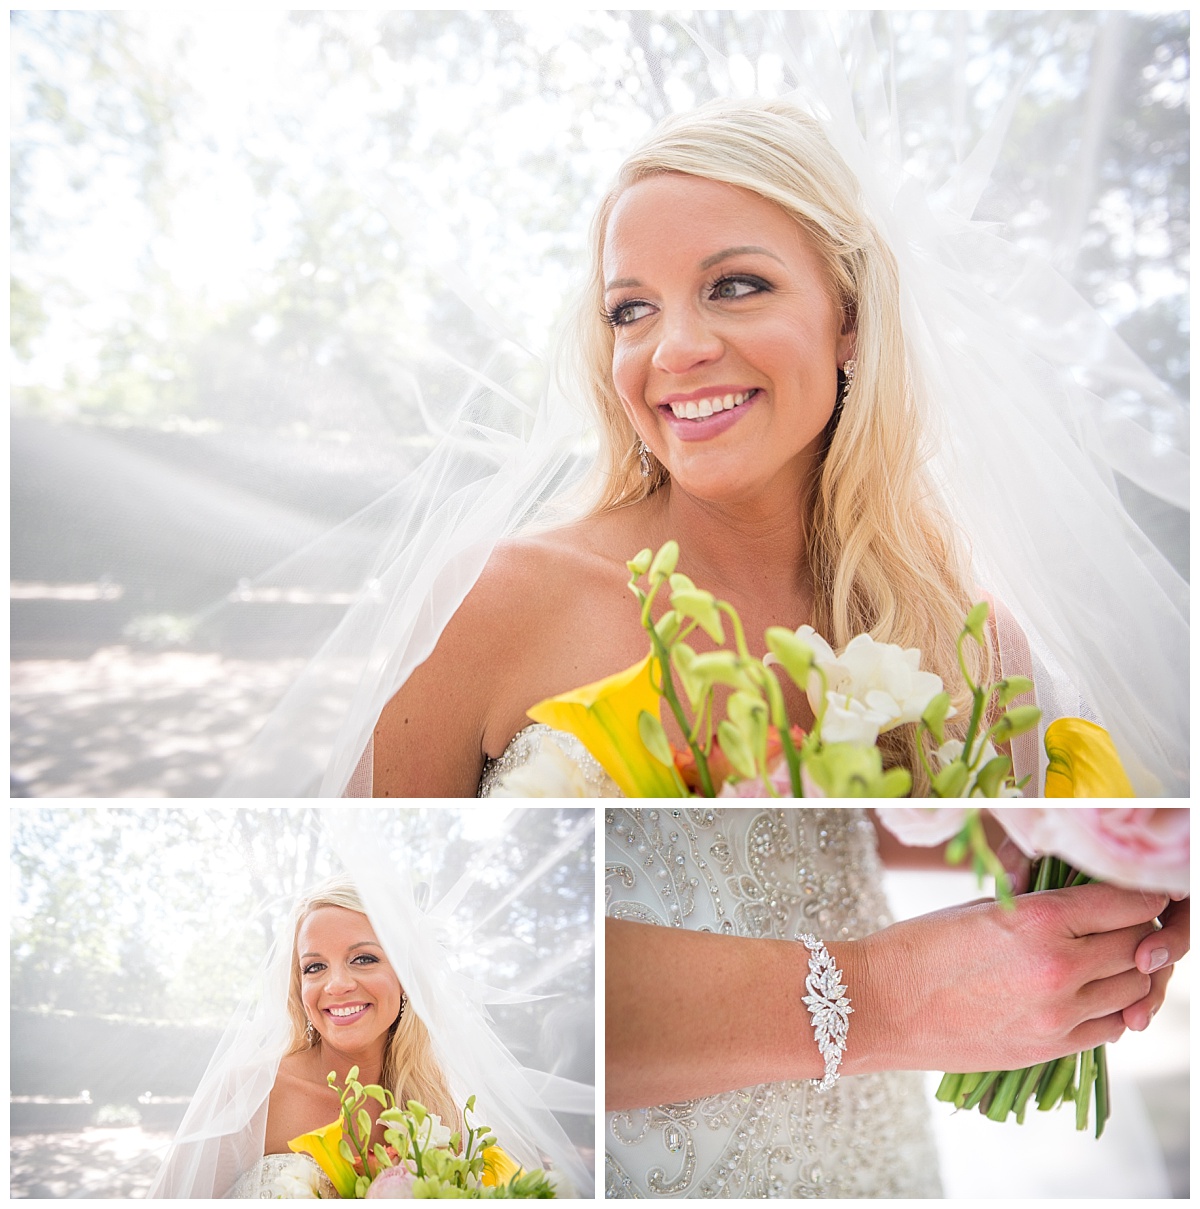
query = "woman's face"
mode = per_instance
[
  {"x": 727, "y": 339},
  {"x": 347, "y": 985}
]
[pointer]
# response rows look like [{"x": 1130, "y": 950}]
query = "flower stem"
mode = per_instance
[
  {"x": 1029, "y": 1083},
  {"x": 1103, "y": 1107}
]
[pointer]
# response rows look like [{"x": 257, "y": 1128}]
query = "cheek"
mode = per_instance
[{"x": 628, "y": 373}]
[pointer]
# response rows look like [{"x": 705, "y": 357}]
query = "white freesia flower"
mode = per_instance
[
  {"x": 550, "y": 774},
  {"x": 434, "y": 1132},
  {"x": 885, "y": 677},
  {"x": 850, "y": 721}
]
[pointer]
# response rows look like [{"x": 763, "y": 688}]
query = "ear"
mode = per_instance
[{"x": 848, "y": 337}]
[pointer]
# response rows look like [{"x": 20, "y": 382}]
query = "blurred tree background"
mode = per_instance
[{"x": 232, "y": 260}]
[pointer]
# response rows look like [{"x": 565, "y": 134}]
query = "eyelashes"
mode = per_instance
[
  {"x": 723, "y": 289},
  {"x": 365, "y": 959}
]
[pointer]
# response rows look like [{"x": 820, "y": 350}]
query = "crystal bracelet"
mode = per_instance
[{"x": 829, "y": 1007}]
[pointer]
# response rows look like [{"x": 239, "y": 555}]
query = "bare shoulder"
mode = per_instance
[
  {"x": 294, "y": 1104},
  {"x": 529, "y": 628}
]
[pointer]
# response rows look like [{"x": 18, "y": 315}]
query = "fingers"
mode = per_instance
[
  {"x": 1111, "y": 996},
  {"x": 1138, "y": 1015},
  {"x": 1107, "y": 953},
  {"x": 1086, "y": 910},
  {"x": 1165, "y": 947}
]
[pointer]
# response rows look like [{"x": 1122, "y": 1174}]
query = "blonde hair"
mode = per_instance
[
  {"x": 883, "y": 558},
  {"x": 410, "y": 1070}
]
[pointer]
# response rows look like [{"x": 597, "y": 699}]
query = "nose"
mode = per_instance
[
  {"x": 685, "y": 340},
  {"x": 341, "y": 979}
]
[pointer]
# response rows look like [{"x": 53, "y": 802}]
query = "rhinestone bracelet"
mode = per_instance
[{"x": 829, "y": 1007}]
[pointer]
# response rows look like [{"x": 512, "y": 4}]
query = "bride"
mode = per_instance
[
  {"x": 366, "y": 972},
  {"x": 347, "y": 1009},
  {"x": 831, "y": 394}
]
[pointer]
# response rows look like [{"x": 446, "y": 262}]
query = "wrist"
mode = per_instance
[{"x": 874, "y": 982}]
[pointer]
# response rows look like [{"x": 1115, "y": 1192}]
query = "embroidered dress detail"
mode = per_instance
[{"x": 750, "y": 871}]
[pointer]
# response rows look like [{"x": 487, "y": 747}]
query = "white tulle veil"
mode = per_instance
[
  {"x": 513, "y": 1046},
  {"x": 1041, "y": 413},
  {"x": 1061, "y": 456}
]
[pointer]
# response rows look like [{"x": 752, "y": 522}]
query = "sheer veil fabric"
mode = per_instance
[
  {"x": 1038, "y": 415},
  {"x": 515, "y": 1047}
]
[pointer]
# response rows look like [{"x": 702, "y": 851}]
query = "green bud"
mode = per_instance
[
  {"x": 639, "y": 564},
  {"x": 664, "y": 562},
  {"x": 381, "y": 1155},
  {"x": 795, "y": 655},
  {"x": 735, "y": 747},
  {"x": 345, "y": 1151},
  {"x": 748, "y": 712},
  {"x": 654, "y": 738},
  {"x": 683, "y": 658},
  {"x": 935, "y": 716},
  {"x": 991, "y": 776},
  {"x": 352, "y": 1074},
  {"x": 845, "y": 770},
  {"x": 680, "y": 582},
  {"x": 668, "y": 627},
  {"x": 976, "y": 619},
  {"x": 720, "y": 667},
  {"x": 364, "y": 1123},
  {"x": 951, "y": 781},
  {"x": 1011, "y": 688},
  {"x": 701, "y": 605},
  {"x": 360, "y": 1187},
  {"x": 1017, "y": 721},
  {"x": 897, "y": 783}
]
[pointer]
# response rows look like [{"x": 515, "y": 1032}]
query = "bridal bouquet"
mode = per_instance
[
  {"x": 1146, "y": 849},
  {"x": 856, "y": 694},
  {"x": 419, "y": 1156}
]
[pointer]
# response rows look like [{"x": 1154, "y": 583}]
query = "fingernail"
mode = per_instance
[{"x": 1158, "y": 959}]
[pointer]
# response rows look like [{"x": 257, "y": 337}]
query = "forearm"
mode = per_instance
[
  {"x": 695, "y": 1013},
  {"x": 975, "y": 987}
]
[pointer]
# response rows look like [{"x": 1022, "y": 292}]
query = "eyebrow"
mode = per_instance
[
  {"x": 358, "y": 944},
  {"x": 622, "y": 283}
]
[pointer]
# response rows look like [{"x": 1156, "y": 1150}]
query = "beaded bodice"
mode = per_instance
[
  {"x": 754, "y": 871},
  {"x": 284, "y": 1177}
]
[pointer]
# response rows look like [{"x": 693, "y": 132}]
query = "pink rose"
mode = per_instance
[
  {"x": 1145, "y": 849},
  {"x": 923, "y": 826},
  {"x": 393, "y": 1182}
]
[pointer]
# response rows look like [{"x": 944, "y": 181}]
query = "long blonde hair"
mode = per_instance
[
  {"x": 410, "y": 1069},
  {"x": 883, "y": 558}
]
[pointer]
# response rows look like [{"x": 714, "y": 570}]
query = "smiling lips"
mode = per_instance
[
  {"x": 709, "y": 405},
  {"x": 346, "y": 1013},
  {"x": 706, "y": 414}
]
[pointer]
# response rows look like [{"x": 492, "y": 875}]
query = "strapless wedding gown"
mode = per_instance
[{"x": 284, "y": 1177}]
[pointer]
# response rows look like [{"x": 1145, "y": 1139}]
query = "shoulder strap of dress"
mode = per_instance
[
  {"x": 1016, "y": 659},
  {"x": 362, "y": 780}
]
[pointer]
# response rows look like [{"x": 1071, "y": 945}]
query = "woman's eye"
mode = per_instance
[
  {"x": 738, "y": 287},
  {"x": 313, "y": 967},
  {"x": 366, "y": 959},
  {"x": 625, "y": 313}
]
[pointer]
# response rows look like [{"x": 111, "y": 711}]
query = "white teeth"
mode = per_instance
[
  {"x": 702, "y": 409},
  {"x": 347, "y": 1011}
]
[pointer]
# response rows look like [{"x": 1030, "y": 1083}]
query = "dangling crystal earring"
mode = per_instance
[
  {"x": 403, "y": 1005},
  {"x": 644, "y": 455},
  {"x": 849, "y": 369},
  {"x": 310, "y": 1033}
]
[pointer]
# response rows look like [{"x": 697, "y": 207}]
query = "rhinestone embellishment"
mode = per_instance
[{"x": 828, "y": 1006}]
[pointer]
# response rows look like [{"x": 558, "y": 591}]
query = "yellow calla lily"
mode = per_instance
[
  {"x": 322, "y": 1144},
  {"x": 498, "y": 1167},
  {"x": 604, "y": 717},
  {"x": 1083, "y": 762}
]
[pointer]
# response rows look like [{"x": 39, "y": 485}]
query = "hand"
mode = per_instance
[
  {"x": 1156, "y": 956},
  {"x": 978, "y": 987}
]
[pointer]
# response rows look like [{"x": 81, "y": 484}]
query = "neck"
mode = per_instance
[
  {"x": 749, "y": 551},
  {"x": 369, "y": 1063}
]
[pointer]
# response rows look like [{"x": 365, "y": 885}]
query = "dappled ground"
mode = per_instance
[
  {"x": 95, "y": 1163},
  {"x": 128, "y": 723}
]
